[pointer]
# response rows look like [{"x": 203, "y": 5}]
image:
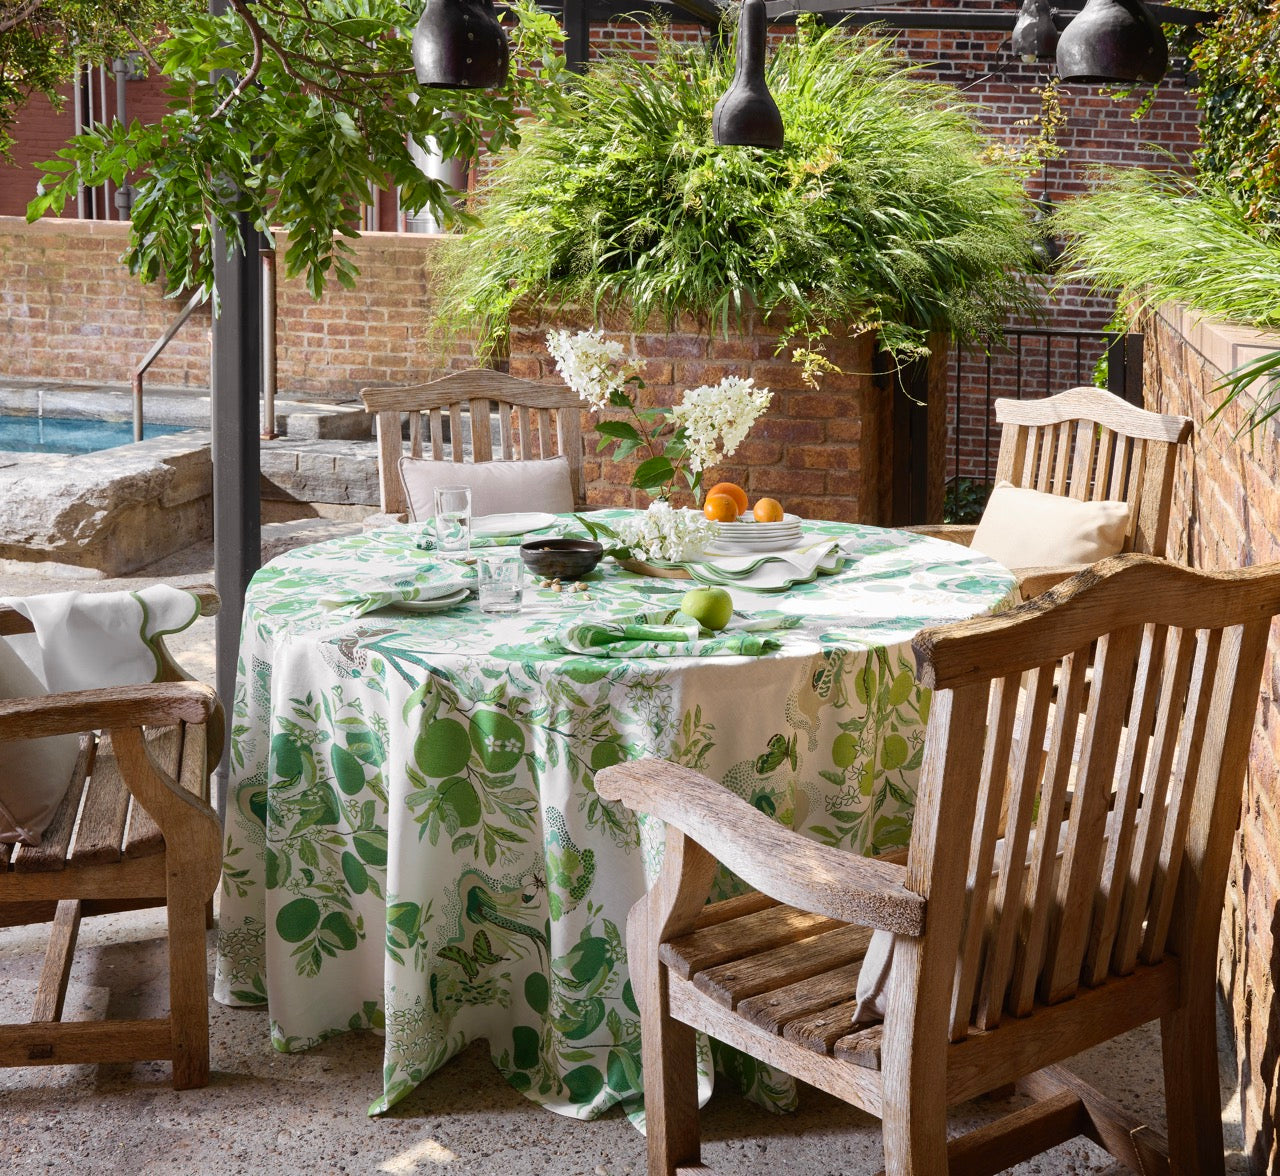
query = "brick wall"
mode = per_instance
[
  {"x": 1229, "y": 493},
  {"x": 822, "y": 453},
  {"x": 71, "y": 311}
]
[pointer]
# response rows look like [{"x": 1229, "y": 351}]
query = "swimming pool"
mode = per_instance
[{"x": 43, "y": 434}]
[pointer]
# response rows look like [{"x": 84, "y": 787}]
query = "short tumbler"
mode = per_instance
[{"x": 501, "y": 582}]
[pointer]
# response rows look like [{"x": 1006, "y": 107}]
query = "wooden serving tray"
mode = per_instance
[{"x": 663, "y": 571}]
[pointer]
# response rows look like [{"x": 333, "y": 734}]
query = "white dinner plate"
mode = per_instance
[
  {"x": 781, "y": 543},
  {"x": 745, "y": 524},
  {"x": 497, "y": 526},
  {"x": 438, "y": 604}
]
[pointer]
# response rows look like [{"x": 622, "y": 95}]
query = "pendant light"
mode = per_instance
[
  {"x": 747, "y": 115},
  {"x": 1113, "y": 41},
  {"x": 459, "y": 45},
  {"x": 1035, "y": 36}
]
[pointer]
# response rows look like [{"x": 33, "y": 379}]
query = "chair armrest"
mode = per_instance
[
  {"x": 1034, "y": 581},
  {"x": 769, "y": 857},
  {"x": 156, "y": 704},
  {"x": 961, "y": 533}
]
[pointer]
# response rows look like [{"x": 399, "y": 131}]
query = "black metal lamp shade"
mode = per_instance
[
  {"x": 1113, "y": 41},
  {"x": 747, "y": 115},
  {"x": 459, "y": 45},
  {"x": 1035, "y": 36}
]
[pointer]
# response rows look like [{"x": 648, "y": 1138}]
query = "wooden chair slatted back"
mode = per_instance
[
  {"x": 1094, "y": 797},
  {"x": 505, "y": 419},
  {"x": 1090, "y": 445}
]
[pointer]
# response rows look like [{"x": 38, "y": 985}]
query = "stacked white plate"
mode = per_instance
[{"x": 739, "y": 537}]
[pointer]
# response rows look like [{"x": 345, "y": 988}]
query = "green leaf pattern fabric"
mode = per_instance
[{"x": 414, "y": 844}]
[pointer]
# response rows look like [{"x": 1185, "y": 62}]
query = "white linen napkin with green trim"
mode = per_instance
[
  {"x": 89, "y": 640},
  {"x": 429, "y": 582}
]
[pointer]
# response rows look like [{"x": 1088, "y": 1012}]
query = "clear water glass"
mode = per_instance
[
  {"x": 453, "y": 519},
  {"x": 501, "y": 583}
]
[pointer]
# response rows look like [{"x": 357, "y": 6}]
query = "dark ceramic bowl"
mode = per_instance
[{"x": 561, "y": 559}]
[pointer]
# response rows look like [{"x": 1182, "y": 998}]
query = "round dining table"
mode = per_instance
[{"x": 414, "y": 844}]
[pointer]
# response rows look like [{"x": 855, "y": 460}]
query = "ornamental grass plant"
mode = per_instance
[
  {"x": 1166, "y": 238},
  {"x": 886, "y": 210}
]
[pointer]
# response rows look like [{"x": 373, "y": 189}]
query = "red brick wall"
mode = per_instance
[
  {"x": 1100, "y": 130},
  {"x": 71, "y": 311},
  {"x": 1229, "y": 493},
  {"x": 822, "y": 453}
]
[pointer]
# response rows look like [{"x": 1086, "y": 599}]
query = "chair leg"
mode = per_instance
[
  {"x": 188, "y": 992},
  {"x": 52, "y": 991},
  {"x": 1188, "y": 1039},
  {"x": 915, "y": 1137},
  {"x": 668, "y": 1054}
]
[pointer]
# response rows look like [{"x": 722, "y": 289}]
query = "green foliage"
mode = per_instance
[
  {"x": 964, "y": 499},
  {"x": 1160, "y": 238},
  {"x": 1165, "y": 238},
  {"x": 1238, "y": 65},
  {"x": 882, "y": 211},
  {"x": 322, "y": 114},
  {"x": 41, "y": 40}
]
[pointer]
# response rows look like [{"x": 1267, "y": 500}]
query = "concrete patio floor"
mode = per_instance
[{"x": 266, "y": 1112}]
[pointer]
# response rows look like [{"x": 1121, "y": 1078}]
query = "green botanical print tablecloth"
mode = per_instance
[{"x": 413, "y": 841}]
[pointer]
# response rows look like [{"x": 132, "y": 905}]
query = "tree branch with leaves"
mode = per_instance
[{"x": 293, "y": 112}]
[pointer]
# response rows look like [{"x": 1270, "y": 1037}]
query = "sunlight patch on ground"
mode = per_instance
[{"x": 428, "y": 1151}]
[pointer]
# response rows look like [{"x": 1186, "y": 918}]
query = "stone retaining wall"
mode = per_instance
[
  {"x": 1229, "y": 495},
  {"x": 108, "y": 512}
]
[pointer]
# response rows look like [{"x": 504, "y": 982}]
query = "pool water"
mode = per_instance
[{"x": 28, "y": 434}]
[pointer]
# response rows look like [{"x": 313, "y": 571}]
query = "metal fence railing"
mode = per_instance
[{"x": 1032, "y": 362}]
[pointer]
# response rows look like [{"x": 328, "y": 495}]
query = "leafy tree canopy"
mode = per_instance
[
  {"x": 292, "y": 112},
  {"x": 40, "y": 41}
]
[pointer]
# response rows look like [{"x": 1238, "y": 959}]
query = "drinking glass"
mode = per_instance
[
  {"x": 453, "y": 519},
  {"x": 501, "y": 583}
]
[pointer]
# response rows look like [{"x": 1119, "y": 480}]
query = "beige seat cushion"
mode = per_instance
[
  {"x": 1028, "y": 529},
  {"x": 34, "y": 773},
  {"x": 497, "y": 487}
]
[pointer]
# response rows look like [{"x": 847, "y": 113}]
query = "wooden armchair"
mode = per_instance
[
  {"x": 1026, "y": 928},
  {"x": 1088, "y": 444},
  {"x": 525, "y": 425},
  {"x": 134, "y": 830}
]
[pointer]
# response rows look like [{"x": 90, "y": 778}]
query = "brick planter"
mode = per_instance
[
  {"x": 828, "y": 453},
  {"x": 1228, "y": 493}
]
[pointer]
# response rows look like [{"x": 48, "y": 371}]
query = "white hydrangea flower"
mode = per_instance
[
  {"x": 717, "y": 417},
  {"x": 593, "y": 366},
  {"x": 665, "y": 534}
]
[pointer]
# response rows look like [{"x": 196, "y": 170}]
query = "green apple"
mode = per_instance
[{"x": 710, "y": 607}]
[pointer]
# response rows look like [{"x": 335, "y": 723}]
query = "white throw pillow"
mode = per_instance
[
  {"x": 1029, "y": 529},
  {"x": 873, "y": 980},
  {"x": 497, "y": 487},
  {"x": 34, "y": 773}
]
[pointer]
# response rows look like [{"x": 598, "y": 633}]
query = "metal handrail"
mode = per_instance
[{"x": 196, "y": 299}]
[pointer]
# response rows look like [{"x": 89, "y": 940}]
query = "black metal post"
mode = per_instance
[
  {"x": 577, "y": 39},
  {"x": 909, "y": 417},
  {"x": 1124, "y": 365},
  {"x": 237, "y": 519}
]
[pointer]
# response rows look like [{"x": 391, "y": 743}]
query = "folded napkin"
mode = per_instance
[
  {"x": 429, "y": 582},
  {"x": 774, "y": 571},
  {"x": 89, "y": 640},
  {"x": 667, "y": 633},
  {"x": 426, "y": 538}
]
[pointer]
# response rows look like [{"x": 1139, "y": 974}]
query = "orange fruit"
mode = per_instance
[
  {"x": 734, "y": 491},
  {"x": 768, "y": 510},
  {"x": 720, "y": 508}
]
